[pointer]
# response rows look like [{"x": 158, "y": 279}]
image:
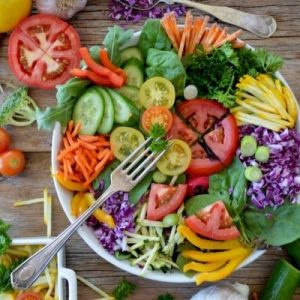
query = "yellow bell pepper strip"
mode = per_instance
[
  {"x": 204, "y": 243},
  {"x": 69, "y": 184},
  {"x": 99, "y": 214},
  {"x": 203, "y": 267},
  {"x": 222, "y": 272},
  {"x": 75, "y": 204},
  {"x": 82, "y": 206},
  {"x": 214, "y": 256}
]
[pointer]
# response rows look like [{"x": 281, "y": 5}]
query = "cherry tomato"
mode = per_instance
[
  {"x": 157, "y": 115},
  {"x": 164, "y": 200},
  {"x": 213, "y": 222},
  {"x": 4, "y": 140},
  {"x": 29, "y": 296},
  {"x": 12, "y": 162},
  {"x": 42, "y": 50}
]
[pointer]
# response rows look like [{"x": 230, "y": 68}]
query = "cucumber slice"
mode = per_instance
[
  {"x": 283, "y": 282},
  {"x": 131, "y": 52},
  {"x": 107, "y": 122},
  {"x": 135, "y": 72},
  {"x": 131, "y": 93},
  {"x": 89, "y": 110},
  {"x": 126, "y": 113}
]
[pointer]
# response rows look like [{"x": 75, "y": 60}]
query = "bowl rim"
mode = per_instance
[{"x": 87, "y": 234}]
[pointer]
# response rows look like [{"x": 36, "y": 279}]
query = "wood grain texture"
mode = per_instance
[{"x": 27, "y": 221}]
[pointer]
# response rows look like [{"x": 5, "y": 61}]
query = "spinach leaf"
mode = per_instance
[
  {"x": 139, "y": 190},
  {"x": 67, "y": 95},
  {"x": 168, "y": 65},
  {"x": 114, "y": 40},
  {"x": 230, "y": 186},
  {"x": 196, "y": 203},
  {"x": 275, "y": 227},
  {"x": 153, "y": 35}
]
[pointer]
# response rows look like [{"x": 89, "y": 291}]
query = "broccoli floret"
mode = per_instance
[{"x": 18, "y": 108}]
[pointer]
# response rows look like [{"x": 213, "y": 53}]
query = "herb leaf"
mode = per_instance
[
  {"x": 165, "y": 297},
  {"x": 123, "y": 289},
  {"x": 157, "y": 132},
  {"x": 5, "y": 240},
  {"x": 114, "y": 40}
]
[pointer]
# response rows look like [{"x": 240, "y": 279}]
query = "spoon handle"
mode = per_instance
[{"x": 260, "y": 25}]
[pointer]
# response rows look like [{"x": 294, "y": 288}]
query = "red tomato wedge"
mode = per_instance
[
  {"x": 213, "y": 222},
  {"x": 164, "y": 200},
  {"x": 42, "y": 50},
  {"x": 181, "y": 131},
  {"x": 29, "y": 296},
  {"x": 202, "y": 114},
  {"x": 201, "y": 164},
  {"x": 157, "y": 115},
  {"x": 224, "y": 140},
  {"x": 197, "y": 185}
]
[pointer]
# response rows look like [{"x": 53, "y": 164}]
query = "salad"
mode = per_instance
[{"x": 229, "y": 180}]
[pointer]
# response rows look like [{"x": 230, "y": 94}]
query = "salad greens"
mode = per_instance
[
  {"x": 274, "y": 226},
  {"x": 153, "y": 36},
  {"x": 123, "y": 289},
  {"x": 114, "y": 40},
  {"x": 168, "y": 65},
  {"x": 222, "y": 69},
  {"x": 67, "y": 95},
  {"x": 5, "y": 240}
]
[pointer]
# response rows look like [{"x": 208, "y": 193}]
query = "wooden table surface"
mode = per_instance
[{"x": 27, "y": 221}]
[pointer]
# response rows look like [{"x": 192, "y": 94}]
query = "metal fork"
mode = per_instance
[
  {"x": 261, "y": 25},
  {"x": 125, "y": 177}
]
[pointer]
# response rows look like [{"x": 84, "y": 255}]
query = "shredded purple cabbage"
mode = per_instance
[
  {"x": 119, "y": 207},
  {"x": 281, "y": 172},
  {"x": 124, "y": 10}
]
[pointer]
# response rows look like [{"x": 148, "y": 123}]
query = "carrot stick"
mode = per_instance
[
  {"x": 229, "y": 38},
  {"x": 74, "y": 177},
  {"x": 196, "y": 29},
  {"x": 221, "y": 35},
  {"x": 76, "y": 130},
  {"x": 93, "y": 163},
  {"x": 186, "y": 33},
  {"x": 238, "y": 43},
  {"x": 69, "y": 138},
  {"x": 100, "y": 166},
  {"x": 65, "y": 168},
  {"x": 82, "y": 168},
  {"x": 86, "y": 164},
  {"x": 69, "y": 168},
  {"x": 71, "y": 125},
  {"x": 90, "y": 138},
  {"x": 207, "y": 41},
  {"x": 199, "y": 33},
  {"x": 102, "y": 154},
  {"x": 68, "y": 150},
  {"x": 173, "y": 21},
  {"x": 87, "y": 145},
  {"x": 65, "y": 142},
  {"x": 168, "y": 28},
  {"x": 101, "y": 144},
  {"x": 88, "y": 154}
]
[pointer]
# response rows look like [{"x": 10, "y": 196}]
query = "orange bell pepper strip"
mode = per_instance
[
  {"x": 106, "y": 62},
  {"x": 96, "y": 78}
]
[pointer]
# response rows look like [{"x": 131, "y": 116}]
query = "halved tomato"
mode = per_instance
[
  {"x": 202, "y": 114},
  {"x": 164, "y": 199},
  {"x": 201, "y": 164},
  {"x": 157, "y": 115},
  {"x": 42, "y": 50},
  {"x": 213, "y": 222},
  {"x": 181, "y": 131},
  {"x": 224, "y": 140},
  {"x": 29, "y": 296},
  {"x": 197, "y": 185}
]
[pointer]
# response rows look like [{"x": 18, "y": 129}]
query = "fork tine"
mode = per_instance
[
  {"x": 150, "y": 166},
  {"x": 142, "y": 165},
  {"x": 137, "y": 160},
  {"x": 133, "y": 154}
]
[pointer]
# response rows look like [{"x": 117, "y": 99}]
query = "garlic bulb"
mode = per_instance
[
  {"x": 223, "y": 291},
  {"x": 64, "y": 9}
]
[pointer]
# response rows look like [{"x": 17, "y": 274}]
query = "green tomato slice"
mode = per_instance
[
  {"x": 176, "y": 160},
  {"x": 157, "y": 91},
  {"x": 124, "y": 140}
]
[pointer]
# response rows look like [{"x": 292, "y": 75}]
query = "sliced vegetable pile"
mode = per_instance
[{"x": 229, "y": 179}]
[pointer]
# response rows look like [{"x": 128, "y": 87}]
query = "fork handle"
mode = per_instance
[
  {"x": 260, "y": 25},
  {"x": 29, "y": 271}
]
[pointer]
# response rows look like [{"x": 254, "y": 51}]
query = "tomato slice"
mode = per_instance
[
  {"x": 202, "y": 114},
  {"x": 181, "y": 131},
  {"x": 157, "y": 115},
  {"x": 224, "y": 140},
  {"x": 164, "y": 199},
  {"x": 42, "y": 50},
  {"x": 201, "y": 164},
  {"x": 213, "y": 222},
  {"x": 176, "y": 159},
  {"x": 197, "y": 185},
  {"x": 29, "y": 296},
  {"x": 157, "y": 91}
]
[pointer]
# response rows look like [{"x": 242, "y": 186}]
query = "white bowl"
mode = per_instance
[
  {"x": 64, "y": 274},
  {"x": 87, "y": 233}
]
